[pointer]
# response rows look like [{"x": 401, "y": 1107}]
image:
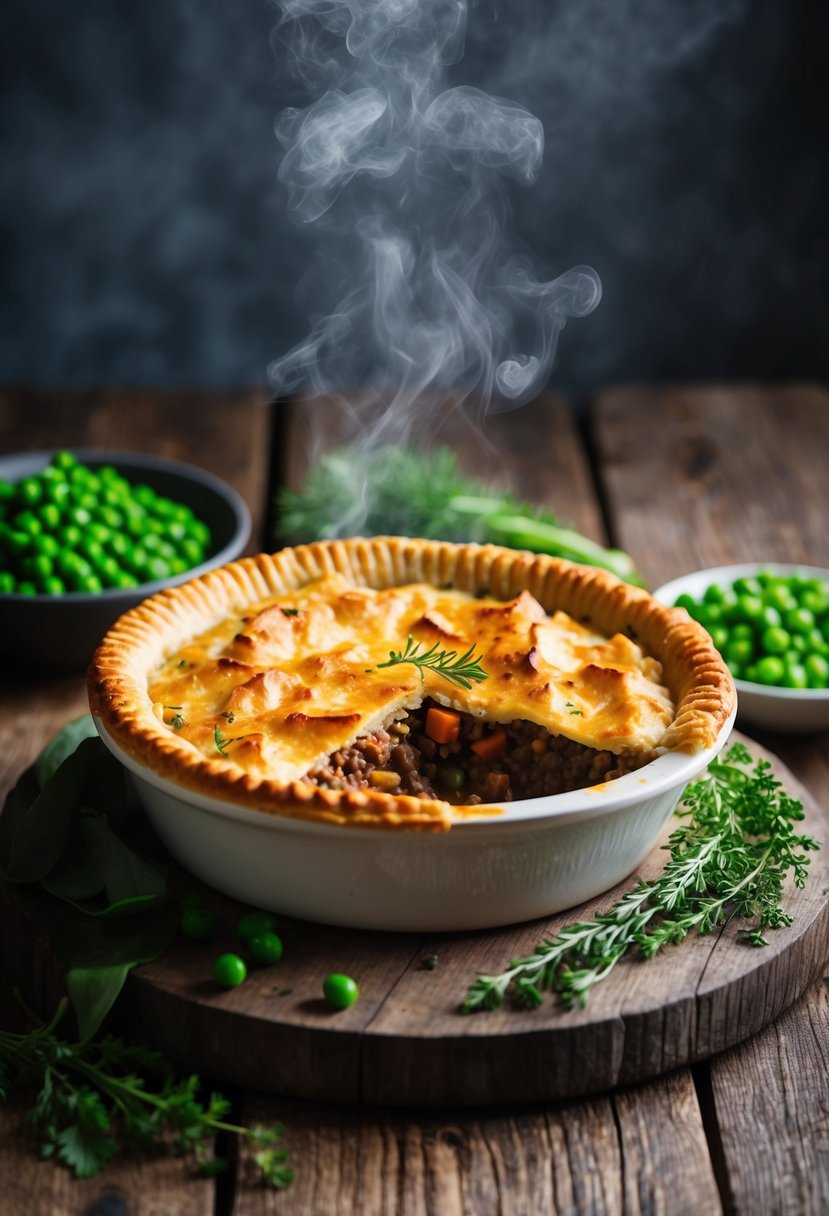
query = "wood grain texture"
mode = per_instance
[
  {"x": 704, "y": 476},
  {"x": 534, "y": 452},
  {"x": 639, "y": 1151},
  {"x": 160, "y": 1186},
  {"x": 771, "y": 1097}
]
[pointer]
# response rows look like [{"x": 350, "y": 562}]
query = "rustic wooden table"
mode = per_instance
[{"x": 682, "y": 478}]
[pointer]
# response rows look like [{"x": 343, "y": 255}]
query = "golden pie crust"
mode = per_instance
[{"x": 636, "y": 642}]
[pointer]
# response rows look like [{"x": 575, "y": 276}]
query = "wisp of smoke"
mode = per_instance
[{"x": 424, "y": 288}]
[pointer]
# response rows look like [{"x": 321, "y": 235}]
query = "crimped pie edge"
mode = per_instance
[{"x": 696, "y": 675}]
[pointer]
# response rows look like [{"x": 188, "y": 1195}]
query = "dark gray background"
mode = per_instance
[{"x": 144, "y": 232}]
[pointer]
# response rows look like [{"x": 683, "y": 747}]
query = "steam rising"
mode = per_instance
[{"x": 425, "y": 289}]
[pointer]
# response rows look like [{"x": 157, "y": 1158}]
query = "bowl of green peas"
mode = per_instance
[
  {"x": 770, "y": 622},
  {"x": 87, "y": 534}
]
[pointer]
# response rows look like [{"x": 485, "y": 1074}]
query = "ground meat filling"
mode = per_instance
[{"x": 485, "y": 762}]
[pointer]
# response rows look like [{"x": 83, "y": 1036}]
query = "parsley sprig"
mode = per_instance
[
  {"x": 93, "y": 1099},
  {"x": 461, "y": 670},
  {"x": 730, "y": 857}
]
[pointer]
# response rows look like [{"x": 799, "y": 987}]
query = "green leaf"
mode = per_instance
[
  {"x": 85, "y": 1148},
  {"x": 128, "y": 876},
  {"x": 100, "y": 952},
  {"x": 81, "y": 870},
  {"x": 62, "y": 745},
  {"x": 42, "y": 830},
  {"x": 93, "y": 991}
]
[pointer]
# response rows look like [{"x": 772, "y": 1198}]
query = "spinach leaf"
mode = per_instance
[
  {"x": 62, "y": 746},
  {"x": 41, "y": 832},
  {"x": 128, "y": 876},
  {"x": 99, "y": 953},
  {"x": 81, "y": 868}
]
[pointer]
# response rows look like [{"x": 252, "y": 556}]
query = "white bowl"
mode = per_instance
[
  {"x": 788, "y": 710},
  {"x": 537, "y": 857}
]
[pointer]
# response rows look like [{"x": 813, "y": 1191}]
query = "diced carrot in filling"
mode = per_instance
[
  {"x": 442, "y": 725},
  {"x": 469, "y": 762}
]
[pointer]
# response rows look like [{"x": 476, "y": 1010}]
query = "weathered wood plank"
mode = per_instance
[
  {"x": 130, "y": 1187},
  {"x": 771, "y": 1099},
  {"x": 535, "y": 452},
  {"x": 705, "y": 476},
  {"x": 642, "y": 1151}
]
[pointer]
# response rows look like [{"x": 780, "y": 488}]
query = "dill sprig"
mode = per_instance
[
  {"x": 731, "y": 857},
  {"x": 93, "y": 1098},
  {"x": 461, "y": 670}
]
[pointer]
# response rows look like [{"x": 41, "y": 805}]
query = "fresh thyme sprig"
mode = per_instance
[
  {"x": 92, "y": 1099},
  {"x": 730, "y": 857},
  {"x": 461, "y": 670}
]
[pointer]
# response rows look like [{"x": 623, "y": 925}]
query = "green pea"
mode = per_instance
[
  {"x": 265, "y": 948},
  {"x": 136, "y": 560},
  {"x": 794, "y": 676},
  {"x": 7, "y": 491},
  {"x": 769, "y": 669},
  {"x": 451, "y": 776},
  {"x": 817, "y": 670},
  {"x": 199, "y": 923},
  {"x": 119, "y": 545},
  {"x": 17, "y": 542},
  {"x": 800, "y": 620},
  {"x": 229, "y": 971},
  {"x": 749, "y": 608},
  {"x": 739, "y": 651},
  {"x": 134, "y": 524},
  {"x": 778, "y": 595},
  {"x": 157, "y": 569},
  {"x": 191, "y": 551},
  {"x": 340, "y": 991},
  {"x": 748, "y": 586},
  {"x": 93, "y": 550},
  {"x": 742, "y": 630},
  {"x": 200, "y": 532},
  {"x": 54, "y": 585},
  {"x": 27, "y": 521},
  {"x": 70, "y": 536},
  {"x": 80, "y": 516},
  {"x": 7, "y": 582},
  {"x": 89, "y": 584},
  {"x": 26, "y": 588},
  {"x": 45, "y": 543},
  {"x": 109, "y": 572},
  {"x": 29, "y": 491},
  {"x": 38, "y": 566},
  {"x": 64, "y": 460},
  {"x": 126, "y": 580},
  {"x": 49, "y": 516},
  {"x": 815, "y": 600},
  {"x": 714, "y": 594},
  {"x": 775, "y": 640},
  {"x": 254, "y": 923}
]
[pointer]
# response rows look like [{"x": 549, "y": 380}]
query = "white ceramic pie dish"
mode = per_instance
[{"x": 529, "y": 860}]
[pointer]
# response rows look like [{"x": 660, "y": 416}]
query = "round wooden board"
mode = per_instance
[{"x": 405, "y": 1042}]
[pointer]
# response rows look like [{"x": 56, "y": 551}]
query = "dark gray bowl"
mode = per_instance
[{"x": 58, "y": 634}]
